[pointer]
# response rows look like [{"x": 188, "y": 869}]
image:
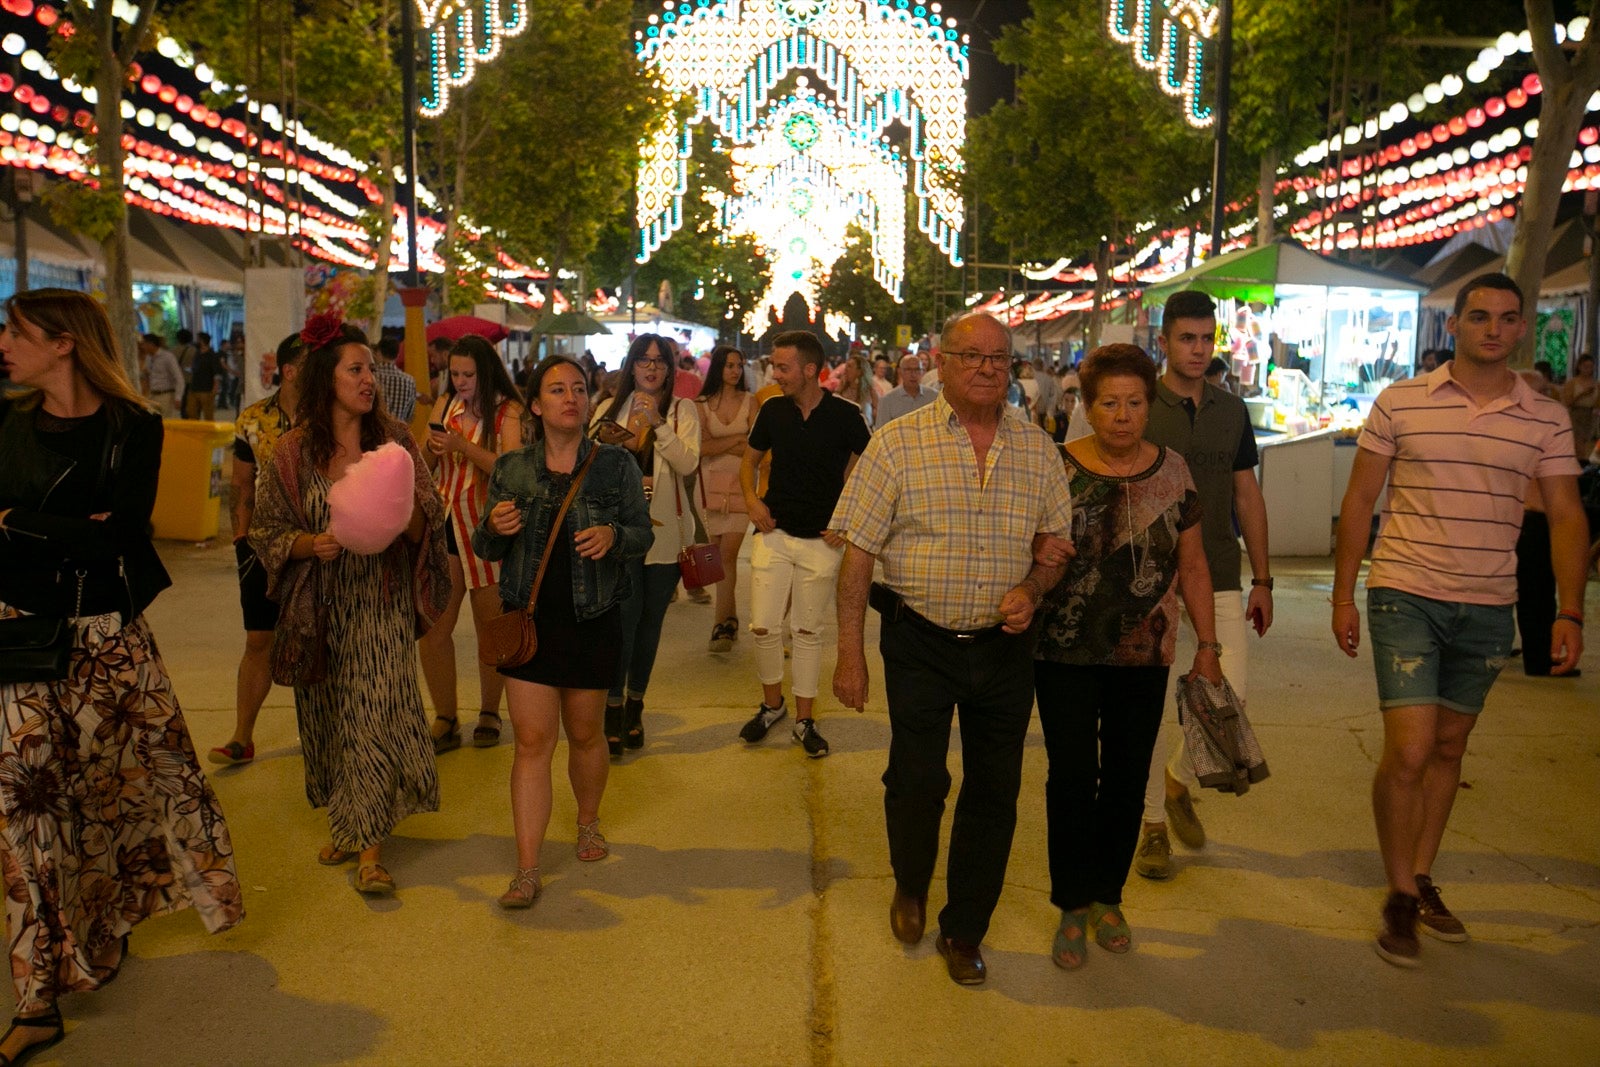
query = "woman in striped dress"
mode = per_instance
[{"x": 478, "y": 420}]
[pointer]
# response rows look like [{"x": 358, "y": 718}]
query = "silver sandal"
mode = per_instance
[
  {"x": 591, "y": 844},
  {"x": 524, "y": 889}
]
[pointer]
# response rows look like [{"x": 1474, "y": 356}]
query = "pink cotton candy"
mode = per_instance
[{"x": 372, "y": 503}]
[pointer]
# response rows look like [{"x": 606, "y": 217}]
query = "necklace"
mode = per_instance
[{"x": 1145, "y": 579}]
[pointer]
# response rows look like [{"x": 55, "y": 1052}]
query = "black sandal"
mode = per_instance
[
  {"x": 614, "y": 729},
  {"x": 486, "y": 736},
  {"x": 633, "y": 722},
  {"x": 107, "y": 975},
  {"x": 50, "y": 1019},
  {"x": 450, "y": 739}
]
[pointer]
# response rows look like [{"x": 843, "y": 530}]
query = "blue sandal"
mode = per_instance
[
  {"x": 1068, "y": 945},
  {"x": 1111, "y": 936}
]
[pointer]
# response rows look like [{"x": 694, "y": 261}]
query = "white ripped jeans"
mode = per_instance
[
  {"x": 1231, "y": 629},
  {"x": 796, "y": 574}
]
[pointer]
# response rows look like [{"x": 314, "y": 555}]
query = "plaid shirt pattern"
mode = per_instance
[
  {"x": 399, "y": 390},
  {"x": 953, "y": 542}
]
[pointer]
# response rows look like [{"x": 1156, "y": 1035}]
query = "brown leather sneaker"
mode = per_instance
[
  {"x": 1434, "y": 918},
  {"x": 1397, "y": 941}
]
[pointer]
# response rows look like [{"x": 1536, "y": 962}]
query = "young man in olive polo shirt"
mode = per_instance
[{"x": 1210, "y": 428}]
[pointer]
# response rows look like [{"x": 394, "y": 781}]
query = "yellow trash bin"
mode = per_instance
[{"x": 189, "y": 494}]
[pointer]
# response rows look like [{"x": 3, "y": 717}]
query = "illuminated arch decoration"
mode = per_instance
[
  {"x": 803, "y": 180},
  {"x": 1170, "y": 37},
  {"x": 457, "y": 37},
  {"x": 882, "y": 62}
]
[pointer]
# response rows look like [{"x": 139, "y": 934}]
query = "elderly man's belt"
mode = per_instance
[{"x": 892, "y": 606}]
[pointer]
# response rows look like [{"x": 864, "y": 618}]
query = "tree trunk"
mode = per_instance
[
  {"x": 1102, "y": 279},
  {"x": 1266, "y": 197},
  {"x": 1567, "y": 85},
  {"x": 108, "y": 160},
  {"x": 1561, "y": 112},
  {"x": 453, "y": 213},
  {"x": 383, "y": 238}
]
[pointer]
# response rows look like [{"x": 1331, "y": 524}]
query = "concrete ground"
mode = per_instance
[{"x": 741, "y": 918}]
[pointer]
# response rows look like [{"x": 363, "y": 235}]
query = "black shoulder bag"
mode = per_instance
[{"x": 38, "y": 648}]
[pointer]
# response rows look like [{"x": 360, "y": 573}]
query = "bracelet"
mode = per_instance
[
  {"x": 1571, "y": 616},
  {"x": 1340, "y": 603},
  {"x": 1209, "y": 646},
  {"x": 1265, "y": 582}
]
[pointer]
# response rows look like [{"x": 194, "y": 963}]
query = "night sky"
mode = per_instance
[{"x": 983, "y": 20}]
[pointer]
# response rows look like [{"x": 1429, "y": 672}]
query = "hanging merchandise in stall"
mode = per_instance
[{"x": 1310, "y": 339}]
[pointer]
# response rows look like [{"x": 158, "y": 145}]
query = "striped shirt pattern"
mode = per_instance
[
  {"x": 952, "y": 541},
  {"x": 466, "y": 490},
  {"x": 1457, "y": 480}
]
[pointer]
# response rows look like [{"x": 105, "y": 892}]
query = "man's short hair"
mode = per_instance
[
  {"x": 805, "y": 343},
  {"x": 206, "y": 337},
  {"x": 1186, "y": 304},
  {"x": 973, "y": 316},
  {"x": 1216, "y": 366},
  {"x": 1492, "y": 280},
  {"x": 389, "y": 348},
  {"x": 184, "y": 337},
  {"x": 155, "y": 339},
  {"x": 911, "y": 356}
]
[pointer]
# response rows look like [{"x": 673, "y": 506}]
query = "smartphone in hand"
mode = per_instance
[{"x": 437, "y": 426}]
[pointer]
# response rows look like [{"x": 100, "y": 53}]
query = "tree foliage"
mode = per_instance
[
  {"x": 1090, "y": 145},
  {"x": 99, "y": 52},
  {"x": 569, "y": 106},
  {"x": 852, "y": 291},
  {"x": 717, "y": 279}
]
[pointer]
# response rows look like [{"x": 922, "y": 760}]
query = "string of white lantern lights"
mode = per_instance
[
  {"x": 194, "y": 163},
  {"x": 1461, "y": 173},
  {"x": 1169, "y": 37},
  {"x": 883, "y": 61}
]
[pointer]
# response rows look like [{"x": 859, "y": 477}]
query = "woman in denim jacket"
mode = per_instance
[{"x": 579, "y": 606}]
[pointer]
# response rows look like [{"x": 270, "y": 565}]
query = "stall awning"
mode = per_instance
[
  {"x": 46, "y": 244},
  {"x": 1565, "y": 252},
  {"x": 1253, "y": 274}
]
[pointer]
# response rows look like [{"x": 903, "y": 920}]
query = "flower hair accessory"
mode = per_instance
[{"x": 322, "y": 330}]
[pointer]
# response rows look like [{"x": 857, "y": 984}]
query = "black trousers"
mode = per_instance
[
  {"x": 926, "y": 677},
  {"x": 1100, "y": 726},
  {"x": 1536, "y": 592}
]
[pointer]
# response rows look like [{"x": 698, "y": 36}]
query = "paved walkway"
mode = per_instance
[{"x": 742, "y": 916}]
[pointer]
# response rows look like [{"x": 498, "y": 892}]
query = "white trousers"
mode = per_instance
[
  {"x": 1231, "y": 632},
  {"x": 795, "y": 575}
]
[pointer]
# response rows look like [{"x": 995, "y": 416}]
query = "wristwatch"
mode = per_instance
[
  {"x": 1263, "y": 581},
  {"x": 1212, "y": 646}
]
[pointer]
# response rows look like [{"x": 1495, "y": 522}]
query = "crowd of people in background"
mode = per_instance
[{"x": 1031, "y": 535}]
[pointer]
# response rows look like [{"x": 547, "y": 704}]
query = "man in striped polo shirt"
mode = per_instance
[{"x": 1459, "y": 446}]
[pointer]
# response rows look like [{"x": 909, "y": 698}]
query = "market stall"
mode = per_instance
[{"x": 1311, "y": 339}]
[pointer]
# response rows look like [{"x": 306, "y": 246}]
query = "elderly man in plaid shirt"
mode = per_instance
[{"x": 951, "y": 499}]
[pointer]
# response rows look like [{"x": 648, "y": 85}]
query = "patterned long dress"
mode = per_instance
[
  {"x": 108, "y": 820},
  {"x": 363, "y": 731}
]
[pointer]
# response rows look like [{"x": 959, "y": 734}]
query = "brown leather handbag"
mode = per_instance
[{"x": 510, "y": 639}]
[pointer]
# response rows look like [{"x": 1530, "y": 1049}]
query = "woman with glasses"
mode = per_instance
[
  {"x": 727, "y": 411},
  {"x": 663, "y": 434}
]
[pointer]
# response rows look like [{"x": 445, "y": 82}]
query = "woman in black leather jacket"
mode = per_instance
[
  {"x": 579, "y": 604},
  {"x": 98, "y": 777}
]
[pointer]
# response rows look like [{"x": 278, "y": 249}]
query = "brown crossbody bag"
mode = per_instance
[{"x": 510, "y": 639}]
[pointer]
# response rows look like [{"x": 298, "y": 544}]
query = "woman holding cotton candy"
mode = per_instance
[{"x": 359, "y": 573}]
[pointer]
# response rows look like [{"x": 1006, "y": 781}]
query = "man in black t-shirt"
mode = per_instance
[
  {"x": 205, "y": 377},
  {"x": 815, "y": 439}
]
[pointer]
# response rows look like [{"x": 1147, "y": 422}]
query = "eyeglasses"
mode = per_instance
[
  {"x": 974, "y": 360},
  {"x": 650, "y": 362}
]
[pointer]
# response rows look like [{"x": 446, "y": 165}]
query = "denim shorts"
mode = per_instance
[{"x": 1436, "y": 651}]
